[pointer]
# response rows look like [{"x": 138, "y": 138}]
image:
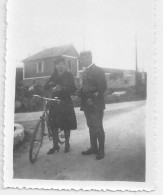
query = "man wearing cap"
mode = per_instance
[{"x": 93, "y": 105}]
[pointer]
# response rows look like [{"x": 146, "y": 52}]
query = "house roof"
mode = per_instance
[{"x": 55, "y": 51}]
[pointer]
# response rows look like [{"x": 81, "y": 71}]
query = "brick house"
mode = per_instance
[{"x": 39, "y": 67}]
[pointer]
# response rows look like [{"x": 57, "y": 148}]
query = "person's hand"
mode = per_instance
[
  {"x": 31, "y": 88},
  {"x": 57, "y": 88},
  {"x": 89, "y": 102}
]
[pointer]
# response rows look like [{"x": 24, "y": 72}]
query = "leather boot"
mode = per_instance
[
  {"x": 55, "y": 143},
  {"x": 67, "y": 138},
  {"x": 101, "y": 140},
  {"x": 93, "y": 141}
]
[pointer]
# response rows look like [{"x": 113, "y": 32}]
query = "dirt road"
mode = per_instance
[{"x": 124, "y": 125}]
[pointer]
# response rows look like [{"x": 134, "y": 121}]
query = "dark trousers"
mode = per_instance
[{"x": 96, "y": 131}]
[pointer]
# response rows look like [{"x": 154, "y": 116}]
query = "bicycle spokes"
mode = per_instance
[{"x": 36, "y": 141}]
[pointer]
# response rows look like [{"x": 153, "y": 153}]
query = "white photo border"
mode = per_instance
[{"x": 9, "y": 182}]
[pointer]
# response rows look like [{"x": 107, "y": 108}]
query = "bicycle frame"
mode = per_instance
[
  {"x": 44, "y": 118},
  {"x": 45, "y": 115}
]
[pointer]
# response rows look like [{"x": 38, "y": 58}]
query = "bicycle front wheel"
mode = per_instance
[{"x": 36, "y": 140}]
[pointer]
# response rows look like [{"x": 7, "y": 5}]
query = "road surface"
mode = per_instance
[{"x": 124, "y": 125}]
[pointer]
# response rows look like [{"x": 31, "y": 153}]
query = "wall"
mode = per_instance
[
  {"x": 30, "y": 68},
  {"x": 38, "y": 81}
]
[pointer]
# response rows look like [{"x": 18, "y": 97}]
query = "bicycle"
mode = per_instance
[{"x": 39, "y": 130}]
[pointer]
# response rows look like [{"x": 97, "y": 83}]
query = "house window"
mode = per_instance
[
  {"x": 40, "y": 67},
  {"x": 69, "y": 65}
]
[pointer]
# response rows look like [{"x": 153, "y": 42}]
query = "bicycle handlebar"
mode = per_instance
[{"x": 48, "y": 99}]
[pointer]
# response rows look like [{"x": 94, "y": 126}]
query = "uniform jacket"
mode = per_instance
[
  {"x": 62, "y": 114},
  {"x": 94, "y": 86}
]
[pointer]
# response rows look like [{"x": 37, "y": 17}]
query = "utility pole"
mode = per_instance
[
  {"x": 83, "y": 41},
  {"x": 136, "y": 60},
  {"x": 136, "y": 65}
]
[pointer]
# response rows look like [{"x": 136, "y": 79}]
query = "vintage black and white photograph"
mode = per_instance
[{"x": 79, "y": 93}]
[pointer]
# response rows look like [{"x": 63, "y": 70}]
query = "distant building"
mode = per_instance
[
  {"x": 117, "y": 79},
  {"x": 39, "y": 67}
]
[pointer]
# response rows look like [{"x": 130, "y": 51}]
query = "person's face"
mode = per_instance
[{"x": 60, "y": 67}]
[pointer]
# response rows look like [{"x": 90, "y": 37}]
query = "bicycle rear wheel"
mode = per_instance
[{"x": 36, "y": 140}]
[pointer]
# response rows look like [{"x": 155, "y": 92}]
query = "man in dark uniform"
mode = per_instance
[{"x": 93, "y": 105}]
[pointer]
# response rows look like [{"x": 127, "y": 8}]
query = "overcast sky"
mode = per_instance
[{"x": 106, "y": 27}]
